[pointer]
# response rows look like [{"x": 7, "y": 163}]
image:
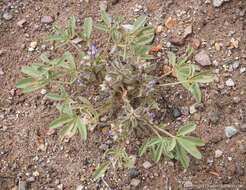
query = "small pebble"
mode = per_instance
[
  {"x": 135, "y": 182},
  {"x": 217, "y": 3},
  {"x": 184, "y": 110},
  {"x": 80, "y": 187},
  {"x": 36, "y": 174},
  {"x": 230, "y": 83},
  {"x": 236, "y": 100},
  {"x": 47, "y": 20},
  {"x": 218, "y": 153},
  {"x": 103, "y": 5},
  {"x": 30, "y": 179},
  {"x": 21, "y": 22},
  {"x": 193, "y": 109},
  {"x": 60, "y": 186},
  {"x": 239, "y": 170},
  {"x": 230, "y": 131},
  {"x": 235, "y": 65},
  {"x": 147, "y": 165},
  {"x": 43, "y": 91},
  {"x": 243, "y": 127},
  {"x": 7, "y": 16},
  {"x": 216, "y": 139},
  {"x": 203, "y": 58},
  {"x": 196, "y": 43},
  {"x": 242, "y": 70}
]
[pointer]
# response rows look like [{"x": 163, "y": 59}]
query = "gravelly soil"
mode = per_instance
[{"x": 27, "y": 146}]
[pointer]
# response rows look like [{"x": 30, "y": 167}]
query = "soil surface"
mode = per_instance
[{"x": 32, "y": 155}]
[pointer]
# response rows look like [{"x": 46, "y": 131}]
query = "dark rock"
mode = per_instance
[
  {"x": 176, "y": 113},
  {"x": 177, "y": 40},
  {"x": 115, "y": 2},
  {"x": 133, "y": 173},
  {"x": 202, "y": 58},
  {"x": 239, "y": 170},
  {"x": 214, "y": 117},
  {"x": 199, "y": 107},
  {"x": 216, "y": 139}
]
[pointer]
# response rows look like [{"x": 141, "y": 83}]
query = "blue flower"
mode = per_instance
[{"x": 93, "y": 50}]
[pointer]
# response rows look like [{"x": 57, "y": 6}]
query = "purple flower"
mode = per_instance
[
  {"x": 155, "y": 80},
  {"x": 152, "y": 115},
  {"x": 79, "y": 81},
  {"x": 93, "y": 50},
  {"x": 149, "y": 88},
  {"x": 109, "y": 133}
]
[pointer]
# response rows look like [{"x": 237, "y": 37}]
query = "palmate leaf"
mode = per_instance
[
  {"x": 145, "y": 39},
  {"x": 171, "y": 144},
  {"x": 144, "y": 147},
  {"x": 70, "y": 59},
  {"x": 189, "y": 147},
  {"x": 195, "y": 90},
  {"x": 61, "y": 121},
  {"x": 105, "y": 17},
  {"x": 186, "y": 129},
  {"x": 139, "y": 23},
  {"x": 55, "y": 96},
  {"x": 182, "y": 156},
  {"x": 204, "y": 77},
  {"x": 54, "y": 37},
  {"x": 82, "y": 128},
  {"x": 71, "y": 28},
  {"x": 172, "y": 58},
  {"x": 25, "y": 82},
  {"x": 61, "y": 43},
  {"x": 158, "y": 152},
  {"x": 31, "y": 72},
  {"x": 194, "y": 140},
  {"x": 101, "y": 27},
  {"x": 100, "y": 171},
  {"x": 145, "y": 30},
  {"x": 88, "y": 27}
]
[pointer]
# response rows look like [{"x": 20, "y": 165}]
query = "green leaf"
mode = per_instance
[
  {"x": 158, "y": 152},
  {"x": 100, "y": 171},
  {"x": 54, "y": 37},
  {"x": 60, "y": 31},
  {"x": 88, "y": 27},
  {"x": 105, "y": 17},
  {"x": 101, "y": 27},
  {"x": 110, "y": 151},
  {"x": 70, "y": 59},
  {"x": 54, "y": 96},
  {"x": 61, "y": 43},
  {"x": 139, "y": 23},
  {"x": 129, "y": 164},
  {"x": 60, "y": 121},
  {"x": 85, "y": 101},
  {"x": 145, "y": 39},
  {"x": 172, "y": 58},
  {"x": 82, "y": 129},
  {"x": 31, "y": 72},
  {"x": 61, "y": 60},
  {"x": 66, "y": 129},
  {"x": 195, "y": 90},
  {"x": 147, "y": 57},
  {"x": 182, "y": 156},
  {"x": 171, "y": 145},
  {"x": 145, "y": 30},
  {"x": 189, "y": 147},
  {"x": 194, "y": 140},
  {"x": 144, "y": 147},
  {"x": 154, "y": 141},
  {"x": 25, "y": 82},
  {"x": 44, "y": 58},
  {"x": 204, "y": 78},
  {"x": 81, "y": 35},
  {"x": 72, "y": 23},
  {"x": 186, "y": 129}
]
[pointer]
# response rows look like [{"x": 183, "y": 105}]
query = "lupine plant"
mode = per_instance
[{"x": 121, "y": 72}]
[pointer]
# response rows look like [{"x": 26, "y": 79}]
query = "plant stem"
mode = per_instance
[
  {"x": 164, "y": 131},
  {"x": 174, "y": 83}
]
